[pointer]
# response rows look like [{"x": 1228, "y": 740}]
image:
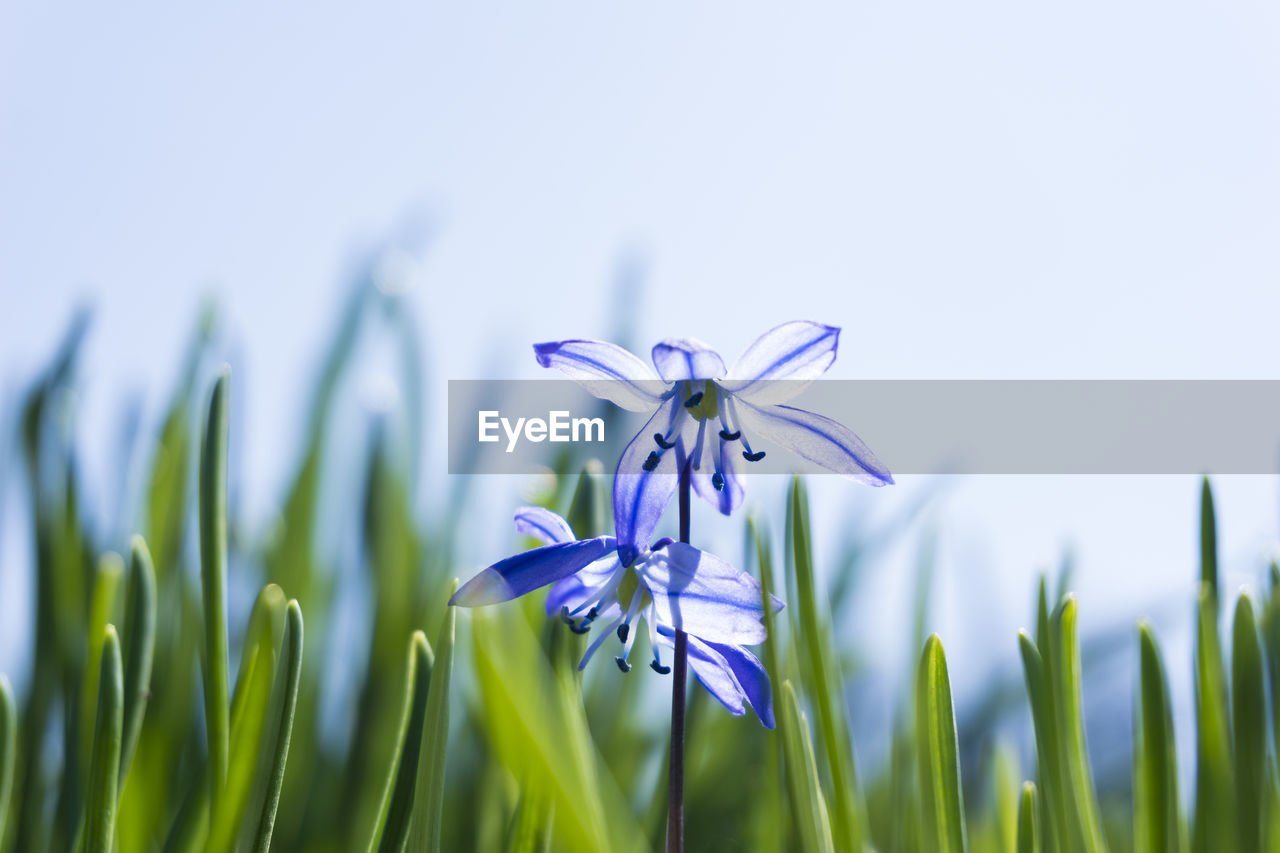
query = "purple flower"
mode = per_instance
[
  {"x": 671, "y": 586},
  {"x": 706, "y": 415}
]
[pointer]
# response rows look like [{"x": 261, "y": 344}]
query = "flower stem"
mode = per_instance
[{"x": 675, "y": 781}]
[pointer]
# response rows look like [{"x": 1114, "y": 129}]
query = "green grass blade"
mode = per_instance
[
  {"x": 821, "y": 668},
  {"x": 275, "y": 738},
  {"x": 250, "y": 710},
  {"x": 1028, "y": 820},
  {"x": 812, "y": 822},
  {"x": 532, "y": 824},
  {"x": 104, "y": 768},
  {"x": 140, "y": 640},
  {"x": 1051, "y": 787},
  {"x": 213, "y": 568},
  {"x": 1208, "y": 540},
  {"x": 392, "y": 829},
  {"x": 428, "y": 795},
  {"x": 1085, "y": 822},
  {"x": 941, "y": 803},
  {"x": 1155, "y": 778},
  {"x": 8, "y": 749},
  {"x": 106, "y": 585},
  {"x": 1249, "y": 719},
  {"x": 1215, "y": 823},
  {"x": 1271, "y": 643}
]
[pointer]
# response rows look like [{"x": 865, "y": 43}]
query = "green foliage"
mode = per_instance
[
  {"x": 942, "y": 804},
  {"x": 108, "y": 733},
  {"x": 493, "y": 739},
  {"x": 1156, "y": 824}
]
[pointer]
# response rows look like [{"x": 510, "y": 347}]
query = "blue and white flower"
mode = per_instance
[
  {"x": 672, "y": 586},
  {"x": 705, "y": 415}
]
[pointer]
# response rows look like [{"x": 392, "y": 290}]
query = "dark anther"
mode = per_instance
[
  {"x": 753, "y": 457},
  {"x": 717, "y": 480},
  {"x": 623, "y": 630},
  {"x": 693, "y": 400},
  {"x": 652, "y": 461},
  {"x": 580, "y": 629},
  {"x": 730, "y": 436},
  {"x": 622, "y": 664},
  {"x": 662, "y": 442},
  {"x": 565, "y": 617},
  {"x": 592, "y": 614},
  {"x": 659, "y": 668}
]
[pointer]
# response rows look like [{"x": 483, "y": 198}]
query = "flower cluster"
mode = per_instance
[{"x": 703, "y": 418}]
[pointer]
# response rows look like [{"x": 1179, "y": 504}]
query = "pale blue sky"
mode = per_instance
[{"x": 978, "y": 190}]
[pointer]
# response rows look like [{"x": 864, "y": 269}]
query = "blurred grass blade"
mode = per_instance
[
  {"x": 1028, "y": 820},
  {"x": 1249, "y": 718},
  {"x": 140, "y": 639},
  {"x": 811, "y": 818},
  {"x": 274, "y": 748},
  {"x": 8, "y": 749},
  {"x": 823, "y": 675},
  {"x": 942, "y": 807},
  {"x": 1271, "y": 643},
  {"x": 1051, "y": 787},
  {"x": 1208, "y": 541},
  {"x": 531, "y": 826},
  {"x": 213, "y": 567},
  {"x": 250, "y": 707},
  {"x": 391, "y": 832},
  {"x": 1156, "y": 826},
  {"x": 428, "y": 794},
  {"x": 1082, "y": 800},
  {"x": 1215, "y": 823},
  {"x": 104, "y": 769},
  {"x": 106, "y": 585}
]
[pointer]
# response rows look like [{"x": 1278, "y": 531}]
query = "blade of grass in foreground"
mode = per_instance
[
  {"x": 428, "y": 793},
  {"x": 1050, "y": 791},
  {"x": 1155, "y": 771},
  {"x": 1271, "y": 642},
  {"x": 802, "y": 774},
  {"x": 213, "y": 568},
  {"x": 1214, "y": 828},
  {"x": 942, "y": 807},
  {"x": 8, "y": 748},
  {"x": 1249, "y": 717},
  {"x": 140, "y": 640},
  {"x": 250, "y": 706},
  {"x": 275, "y": 737},
  {"x": 104, "y": 768},
  {"x": 392, "y": 829},
  {"x": 1028, "y": 820},
  {"x": 821, "y": 669},
  {"x": 1083, "y": 799}
]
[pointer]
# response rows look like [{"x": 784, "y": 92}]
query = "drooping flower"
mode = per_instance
[
  {"x": 705, "y": 415},
  {"x": 671, "y": 586}
]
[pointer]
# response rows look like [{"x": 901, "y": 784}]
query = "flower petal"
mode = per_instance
[
  {"x": 606, "y": 370},
  {"x": 730, "y": 673},
  {"x": 818, "y": 439},
  {"x": 752, "y": 679},
  {"x": 729, "y": 498},
  {"x": 582, "y": 585},
  {"x": 781, "y": 362},
  {"x": 640, "y": 496},
  {"x": 711, "y": 669},
  {"x": 542, "y": 523},
  {"x": 686, "y": 358},
  {"x": 514, "y": 576},
  {"x": 703, "y": 595}
]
